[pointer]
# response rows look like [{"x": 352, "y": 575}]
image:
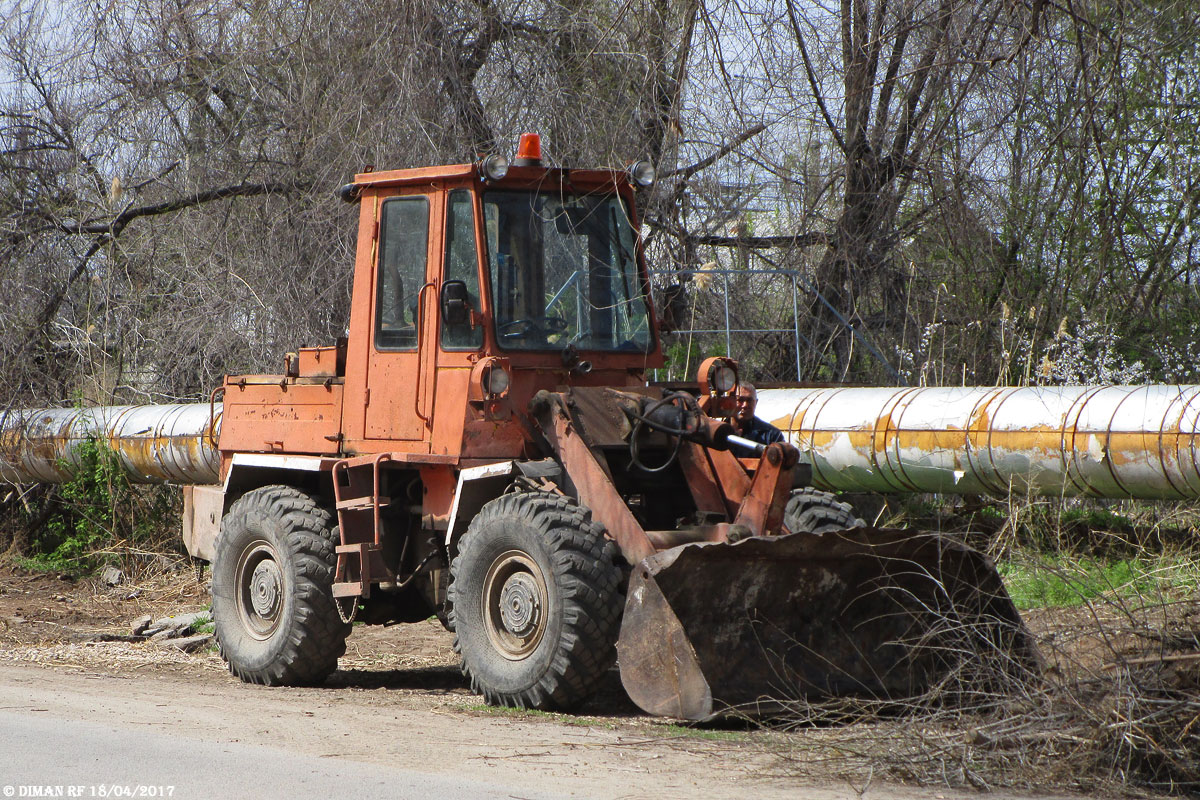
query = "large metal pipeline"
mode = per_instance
[
  {"x": 1111, "y": 441},
  {"x": 155, "y": 443},
  {"x": 1102, "y": 441}
]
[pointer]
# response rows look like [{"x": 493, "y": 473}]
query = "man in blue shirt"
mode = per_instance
[{"x": 749, "y": 426}]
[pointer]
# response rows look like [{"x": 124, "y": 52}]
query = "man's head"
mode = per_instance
[{"x": 747, "y": 399}]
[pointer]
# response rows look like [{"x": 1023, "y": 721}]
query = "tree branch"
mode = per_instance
[
  {"x": 106, "y": 232},
  {"x": 812, "y": 79},
  {"x": 806, "y": 239},
  {"x": 721, "y": 152},
  {"x": 917, "y": 87},
  {"x": 118, "y": 223}
]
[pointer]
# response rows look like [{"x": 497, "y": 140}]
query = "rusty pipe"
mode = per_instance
[
  {"x": 1101, "y": 441},
  {"x": 155, "y": 444}
]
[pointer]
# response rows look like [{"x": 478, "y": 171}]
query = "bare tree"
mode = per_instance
[
  {"x": 929, "y": 170},
  {"x": 186, "y": 153}
]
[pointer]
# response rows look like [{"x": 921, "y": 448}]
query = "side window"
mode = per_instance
[
  {"x": 462, "y": 264},
  {"x": 403, "y": 250}
]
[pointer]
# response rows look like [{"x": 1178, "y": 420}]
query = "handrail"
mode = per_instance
[{"x": 421, "y": 350}]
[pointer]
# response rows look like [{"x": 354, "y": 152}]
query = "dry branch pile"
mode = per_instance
[{"x": 1117, "y": 706}]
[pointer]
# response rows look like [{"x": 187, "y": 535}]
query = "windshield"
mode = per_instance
[{"x": 563, "y": 272}]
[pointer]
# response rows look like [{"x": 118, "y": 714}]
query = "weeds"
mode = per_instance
[
  {"x": 97, "y": 518},
  {"x": 1117, "y": 707},
  {"x": 1043, "y": 580}
]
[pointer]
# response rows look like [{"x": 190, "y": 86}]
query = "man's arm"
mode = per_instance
[{"x": 763, "y": 432}]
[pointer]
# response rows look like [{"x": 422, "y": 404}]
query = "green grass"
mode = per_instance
[
  {"x": 1061, "y": 581},
  {"x": 1097, "y": 519},
  {"x": 41, "y": 564},
  {"x": 707, "y": 734},
  {"x": 504, "y": 711}
]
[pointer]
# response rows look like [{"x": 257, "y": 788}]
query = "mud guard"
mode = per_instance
[{"x": 747, "y": 628}]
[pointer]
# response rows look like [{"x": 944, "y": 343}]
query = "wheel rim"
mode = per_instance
[
  {"x": 260, "y": 594},
  {"x": 514, "y": 604}
]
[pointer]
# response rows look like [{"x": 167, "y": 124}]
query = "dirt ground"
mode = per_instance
[{"x": 60, "y": 643}]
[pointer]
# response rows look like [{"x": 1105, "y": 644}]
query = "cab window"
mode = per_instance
[
  {"x": 564, "y": 272},
  {"x": 403, "y": 251},
  {"x": 462, "y": 264}
]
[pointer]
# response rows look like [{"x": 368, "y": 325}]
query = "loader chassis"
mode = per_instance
[{"x": 483, "y": 446}]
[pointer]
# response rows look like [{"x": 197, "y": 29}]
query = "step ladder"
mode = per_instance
[{"x": 356, "y": 483}]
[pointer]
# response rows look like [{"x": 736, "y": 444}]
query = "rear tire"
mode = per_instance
[
  {"x": 275, "y": 619},
  {"x": 814, "y": 511},
  {"x": 535, "y": 602}
]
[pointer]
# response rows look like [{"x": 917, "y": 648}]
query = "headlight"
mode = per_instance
[
  {"x": 494, "y": 167},
  {"x": 717, "y": 375},
  {"x": 642, "y": 173},
  {"x": 497, "y": 380},
  {"x": 724, "y": 379}
]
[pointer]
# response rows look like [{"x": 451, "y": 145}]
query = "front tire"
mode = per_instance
[
  {"x": 811, "y": 510},
  {"x": 276, "y": 623},
  {"x": 535, "y": 602}
]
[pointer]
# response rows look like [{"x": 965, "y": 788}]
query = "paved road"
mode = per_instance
[
  {"x": 46, "y": 757},
  {"x": 202, "y": 735},
  {"x": 212, "y": 737}
]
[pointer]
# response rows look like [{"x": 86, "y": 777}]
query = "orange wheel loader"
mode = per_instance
[{"x": 484, "y": 446}]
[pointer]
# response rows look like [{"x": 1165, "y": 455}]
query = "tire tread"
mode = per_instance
[
  {"x": 584, "y": 563},
  {"x": 811, "y": 510},
  {"x": 309, "y": 649}
]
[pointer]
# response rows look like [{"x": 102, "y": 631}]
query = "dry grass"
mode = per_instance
[
  {"x": 1106, "y": 716},
  {"x": 1114, "y": 709}
]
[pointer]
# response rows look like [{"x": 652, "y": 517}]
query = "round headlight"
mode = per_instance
[
  {"x": 494, "y": 167},
  {"x": 642, "y": 173},
  {"x": 724, "y": 379},
  {"x": 497, "y": 381}
]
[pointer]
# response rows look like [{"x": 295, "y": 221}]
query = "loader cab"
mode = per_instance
[{"x": 475, "y": 275}]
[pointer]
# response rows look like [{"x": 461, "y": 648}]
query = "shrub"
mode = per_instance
[{"x": 98, "y": 516}]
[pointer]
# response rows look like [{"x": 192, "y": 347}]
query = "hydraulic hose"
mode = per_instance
[{"x": 689, "y": 405}]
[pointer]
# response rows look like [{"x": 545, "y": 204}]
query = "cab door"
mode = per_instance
[{"x": 403, "y": 287}]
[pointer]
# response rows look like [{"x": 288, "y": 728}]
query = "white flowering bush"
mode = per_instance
[{"x": 1088, "y": 353}]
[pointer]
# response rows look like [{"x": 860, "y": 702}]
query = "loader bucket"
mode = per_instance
[{"x": 752, "y": 627}]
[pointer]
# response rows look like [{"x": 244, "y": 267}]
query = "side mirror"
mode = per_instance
[{"x": 456, "y": 303}]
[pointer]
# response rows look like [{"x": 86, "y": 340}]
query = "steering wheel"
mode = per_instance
[{"x": 519, "y": 328}]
